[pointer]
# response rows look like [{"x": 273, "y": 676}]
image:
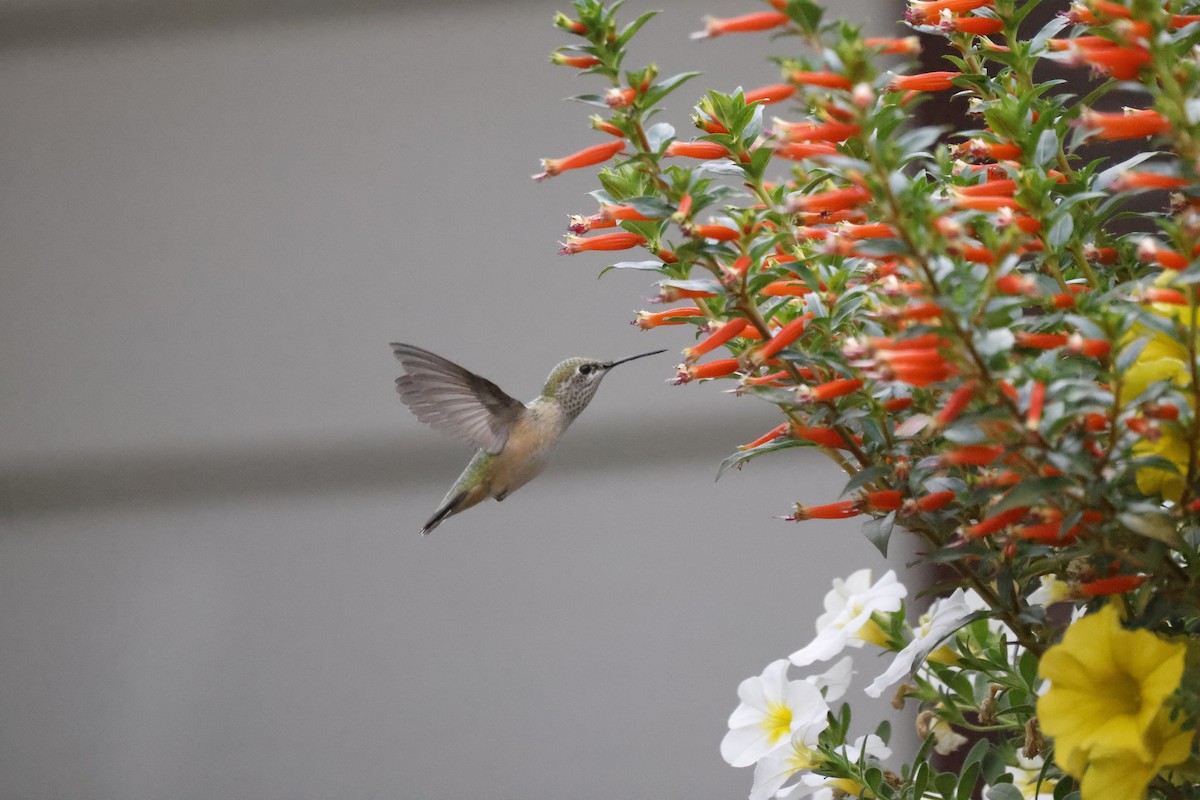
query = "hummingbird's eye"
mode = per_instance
[{"x": 584, "y": 369}]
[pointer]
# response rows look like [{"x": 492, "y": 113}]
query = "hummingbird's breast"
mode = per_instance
[{"x": 530, "y": 445}]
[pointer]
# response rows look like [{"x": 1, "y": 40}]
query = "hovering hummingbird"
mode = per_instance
[{"x": 515, "y": 439}]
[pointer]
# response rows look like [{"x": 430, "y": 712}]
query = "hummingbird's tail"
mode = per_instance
[{"x": 451, "y": 506}]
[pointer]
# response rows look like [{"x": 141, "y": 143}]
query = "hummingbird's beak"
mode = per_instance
[{"x": 611, "y": 364}]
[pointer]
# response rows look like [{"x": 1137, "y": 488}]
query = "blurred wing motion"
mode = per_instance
[{"x": 455, "y": 401}]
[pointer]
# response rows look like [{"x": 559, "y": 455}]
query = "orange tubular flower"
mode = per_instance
[
  {"x": 798, "y": 151},
  {"x": 785, "y": 289},
  {"x": 993, "y": 524},
  {"x": 828, "y": 80},
  {"x": 705, "y": 150},
  {"x": 1037, "y": 399},
  {"x": 713, "y": 369},
  {"x": 769, "y": 436},
  {"x": 1180, "y": 20},
  {"x": 1158, "y": 294},
  {"x": 786, "y": 335},
  {"x": 1122, "y": 63},
  {"x": 719, "y": 232},
  {"x": 587, "y": 157},
  {"x": 934, "y": 501},
  {"x": 719, "y": 337},
  {"x": 1041, "y": 341},
  {"x": 996, "y": 151},
  {"x": 1048, "y": 533},
  {"x": 1130, "y": 181},
  {"x": 604, "y": 126},
  {"x": 979, "y": 26},
  {"x": 1092, "y": 348},
  {"x": 884, "y": 500},
  {"x": 747, "y": 23},
  {"x": 923, "y": 82},
  {"x": 670, "y": 294},
  {"x": 927, "y": 13},
  {"x": 832, "y": 200},
  {"x": 829, "y": 390},
  {"x": 906, "y": 46},
  {"x": 580, "y": 62},
  {"x": 605, "y": 241},
  {"x": 1130, "y": 124},
  {"x": 897, "y": 404},
  {"x": 974, "y": 455},
  {"x": 841, "y": 510},
  {"x": 738, "y": 268},
  {"x": 816, "y": 132},
  {"x": 923, "y": 311},
  {"x": 775, "y": 93},
  {"x": 984, "y": 203},
  {"x": 870, "y": 230},
  {"x": 1149, "y": 249},
  {"x": 773, "y": 379},
  {"x": 1118, "y": 584},
  {"x": 1015, "y": 283},
  {"x": 1001, "y": 187},
  {"x": 672, "y": 316},
  {"x": 825, "y": 437},
  {"x": 956, "y": 404},
  {"x": 620, "y": 98}
]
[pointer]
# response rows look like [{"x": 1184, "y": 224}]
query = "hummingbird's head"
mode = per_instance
[{"x": 573, "y": 383}]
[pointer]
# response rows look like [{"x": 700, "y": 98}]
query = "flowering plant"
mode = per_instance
[{"x": 991, "y": 328}]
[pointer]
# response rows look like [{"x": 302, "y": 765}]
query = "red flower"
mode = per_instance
[
  {"x": 798, "y": 151},
  {"x": 976, "y": 455},
  {"x": 920, "y": 13},
  {"x": 840, "y": 510},
  {"x": 1130, "y": 124},
  {"x": 1118, "y": 584},
  {"x": 620, "y": 98},
  {"x": 979, "y": 26},
  {"x": 769, "y": 436},
  {"x": 705, "y": 150},
  {"x": 713, "y": 369},
  {"x": 755, "y": 21},
  {"x": 923, "y": 82},
  {"x": 719, "y": 337},
  {"x": 829, "y": 80},
  {"x": 775, "y": 93},
  {"x": 906, "y": 46},
  {"x": 816, "y": 132},
  {"x": 582, "y": 62},
  {"x": 829, "y": 390},
  {"x": 719, "y": 232},
  {"x": 587, "y": 157},
  {"x": 832, "y": 200},
  {"x": 672, "y": 316},
  {"x": 956, "y": 403},
  {"x": 785, "y": 336},
  {"x": 605, "y": 241},
  {"x": 825, "y": 437},
  {"x": 994, "y": 523},
  {"x": 1128, "y": 181}
]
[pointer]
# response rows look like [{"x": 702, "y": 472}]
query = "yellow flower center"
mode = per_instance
[
  {"x": 871, "y": 632},
  {"x": 777, "y": 722},
  {"x": 1126, "y": 694}
]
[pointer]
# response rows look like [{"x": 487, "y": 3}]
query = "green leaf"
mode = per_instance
[
  {"x": 645, "y": 266},
  {"x": 740, "y": 458},
  {"x": 879, "y": 531},
  {"x": 632, "y": 28},
  {"x": 1047, "y": 147},
  {"x": 1030, "y": 492},
  {"x": 1061, "y": 231},
  {"x": 658, "y": 135},
  {"x": 1003, "y": 791}
]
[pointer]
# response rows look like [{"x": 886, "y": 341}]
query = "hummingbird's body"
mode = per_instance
[{"x": 515, "y": 440}]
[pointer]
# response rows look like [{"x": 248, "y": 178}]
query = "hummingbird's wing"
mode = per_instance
[{"x": 455, "y": 401}]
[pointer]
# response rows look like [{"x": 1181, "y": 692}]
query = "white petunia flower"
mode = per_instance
[
  {"x": 1025, "y": 778},
  {"x": 774, "y": 771},
  {"x": 1051, "y": 591},
  {"x": 834, "y": 681},
  {"x": 944, "y": 617},
  {"x": 847, "y": 618},
  {"x": 772, "y": 709},
  {"x": 945, "y": 739}
]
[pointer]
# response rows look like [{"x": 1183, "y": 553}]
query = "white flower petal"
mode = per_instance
[
  {"x": 835, "y": 680},
  {"x": 945, "y": 617}
]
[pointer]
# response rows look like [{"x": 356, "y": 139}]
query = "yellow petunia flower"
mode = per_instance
[
  {"x": 1107, "y": 705},
  {"x": 1163, "y": 359}
]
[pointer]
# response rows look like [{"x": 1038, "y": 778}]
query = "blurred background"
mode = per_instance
[{"x": 214, "y": 217}]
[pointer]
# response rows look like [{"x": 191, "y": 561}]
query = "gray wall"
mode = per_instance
[{"x": 213, "y": 219}]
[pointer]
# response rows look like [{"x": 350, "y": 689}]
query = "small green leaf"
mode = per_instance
[{"x": 879, "y": 531}]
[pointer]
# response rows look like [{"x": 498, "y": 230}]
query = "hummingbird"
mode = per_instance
[{"x": 515, "y": 440}]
